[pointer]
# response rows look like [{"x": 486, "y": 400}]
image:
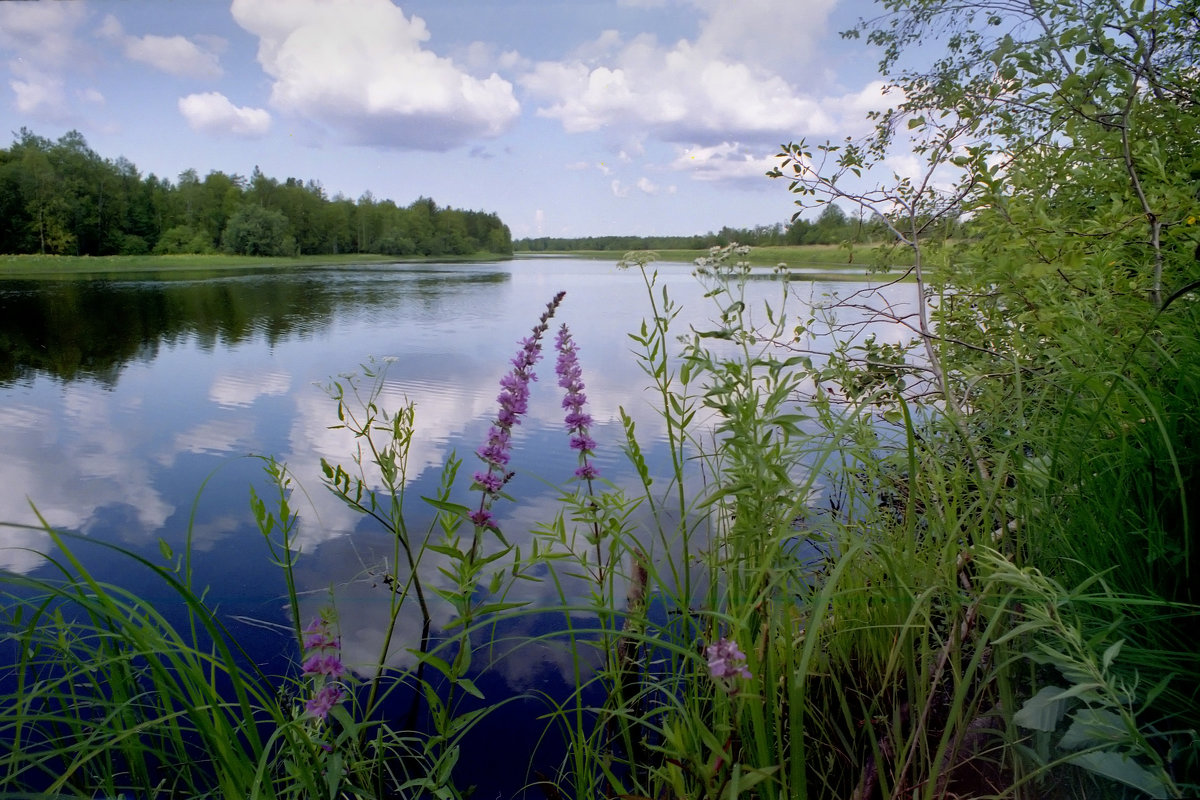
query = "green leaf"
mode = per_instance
[
  {"x": 1093, "y": 726},
  {"x": 470, "y": 688},
  {"x": 1110, "y": 654},
  {"x": 442, "y": 505},
  {"x": 1079, "y": 690},
  {"x": 1043, "y": 711},
  {"x": 743, "y": 780},
  {"x": 1122, "y": 768}
]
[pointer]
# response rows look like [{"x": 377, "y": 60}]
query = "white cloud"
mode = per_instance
[
  {"x": 176, "y": 55},
  {"x": 42, "y": 35},
  {"x": 619, "y": 189},
  {"x": 40, "y": 96},
  {"x": 647, "y": 186},
  {"x": 361, "y": 66},
  {"x": 725, "y": 84},
  {"x": 680, "y": 94},
  {"x": 780, "y": 35},
  {"x": 727, "y": 161},
  {"x": 40, "y": 38},
  {"x": 173, "y": 54},
  {"x": 484, "y": 58},
  {"x": 212, "y": 112}
]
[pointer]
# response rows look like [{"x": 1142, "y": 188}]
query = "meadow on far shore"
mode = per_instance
[{"x": 833, "y": 261}]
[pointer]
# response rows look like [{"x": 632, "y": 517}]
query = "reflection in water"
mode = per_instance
[{"x": 93, "y": 328}]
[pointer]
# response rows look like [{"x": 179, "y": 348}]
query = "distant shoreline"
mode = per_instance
[
  {"x": 38, "y": 266},
  {"x": 818, "y": 262}
]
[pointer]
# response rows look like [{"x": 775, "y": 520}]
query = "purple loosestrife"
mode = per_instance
[
  {"x": 570, "y": 378},
  {"x": 322, "y": 663},
  {"x": 324, "y": 700},
  {"x": 725, "y": 663},
  {"x": 514, "y": 402}
]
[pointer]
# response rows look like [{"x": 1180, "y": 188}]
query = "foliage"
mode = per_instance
[
  {"x": 1057, "y": 340},
  {"x": 256, "y": 231},
  {"x": 62, "y": 198},
  {"x": 833, "y": 226}
]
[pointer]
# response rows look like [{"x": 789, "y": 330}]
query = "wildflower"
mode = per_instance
[
  {"x": 570, "y": 378},
  {"x": 726, "y": 661},
  {"x": 514, "y": 402},
  {"x": 482, "y": 518},
  {"x": 317, "y": 636},
  {"x": 323, "y": 701},
  {"x": 324, "y": 664}
]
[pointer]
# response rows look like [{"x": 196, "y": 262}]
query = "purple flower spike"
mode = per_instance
[
  {"x": 482, "y": 518},
  {"x": 324, "y": 664},
  {"x": 514, "y": 403},
  {"x": 570, "y": 378},
  {"x": 323, "y": 701},
  {"x": 323, "y": 667},
  {"x": 726, "y": 661}
]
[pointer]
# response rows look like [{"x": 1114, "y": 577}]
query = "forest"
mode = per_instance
[
  {"x": 832, "y": 226},
  {"x": 62, "y": 198}
]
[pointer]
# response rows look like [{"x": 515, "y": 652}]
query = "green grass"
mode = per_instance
[
  {"x": 819, "y": 261},
  {"x": 36, "y": 266}
]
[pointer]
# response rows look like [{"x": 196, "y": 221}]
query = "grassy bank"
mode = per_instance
[
  {"x": 37, "y": 266},
  {"x": 836, "y": 261}
]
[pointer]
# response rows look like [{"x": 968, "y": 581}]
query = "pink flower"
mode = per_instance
[
  {"x": 726, "y": 661},
  {"x": 324, "y": 701},
  {"x": 514, "y": 402},
  {"x": 324, "y": 664},
  {"x": 570, "y": 378}
]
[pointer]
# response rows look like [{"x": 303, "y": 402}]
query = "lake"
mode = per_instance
[{"x": 121, "y": 399}]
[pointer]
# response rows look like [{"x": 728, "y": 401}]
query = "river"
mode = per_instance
[{"x": 130, "y": 410}]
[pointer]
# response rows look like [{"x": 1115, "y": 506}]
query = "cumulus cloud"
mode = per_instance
[
  {"x": 42, "y": 35},
  {"x": 780, "y": 35},
  {"x": 40, "y": 96},
  {"x": 176, "y": 55},
  {"x": 41, "y": 40},
  {"x": 212, "y": 112},
  {"x": 725, "y": 162},
  {"x": 725, "y": 84},
  {"x": 362, "y": 67},
  {"x": 646, "y": 186}
]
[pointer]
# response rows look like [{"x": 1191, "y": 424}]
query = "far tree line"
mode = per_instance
[
  {"x": 61, "y": 197},
  {"x": 833, "y": 226}
]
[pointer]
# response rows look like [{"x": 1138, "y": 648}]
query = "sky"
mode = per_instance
[{"x": 565, "y": 117}]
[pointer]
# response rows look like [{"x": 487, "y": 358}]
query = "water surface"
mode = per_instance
[{"x": 120, "y": 400}]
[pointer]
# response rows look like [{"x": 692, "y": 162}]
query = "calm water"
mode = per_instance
[{"x": 120, "y": 399}]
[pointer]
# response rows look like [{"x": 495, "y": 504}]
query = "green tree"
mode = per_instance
[{"x": 256, "y": 231}]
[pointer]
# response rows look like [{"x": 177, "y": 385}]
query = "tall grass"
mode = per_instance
[{"x": 835, "y": 592}]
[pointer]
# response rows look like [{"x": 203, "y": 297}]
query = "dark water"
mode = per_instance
[{"x": 120, "y": 399}]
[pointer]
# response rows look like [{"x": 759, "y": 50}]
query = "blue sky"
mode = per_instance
[{"x": 565, "y": 117}]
